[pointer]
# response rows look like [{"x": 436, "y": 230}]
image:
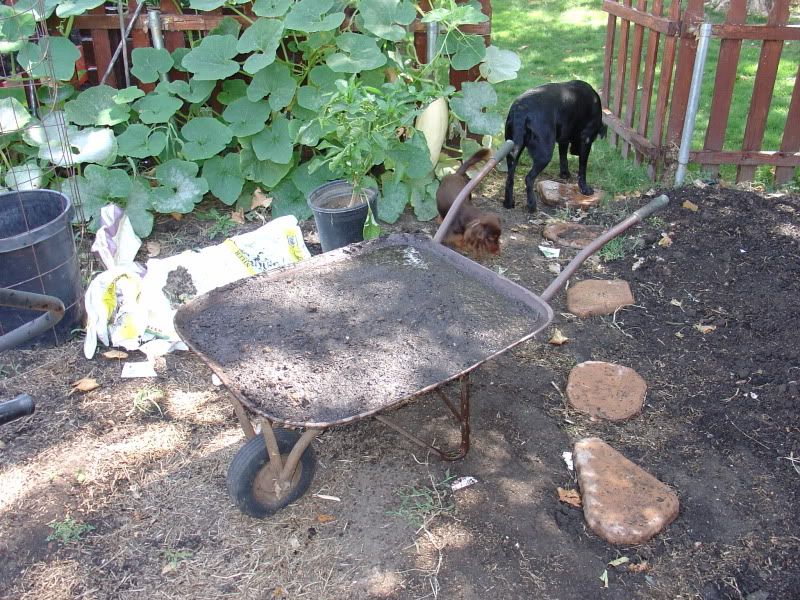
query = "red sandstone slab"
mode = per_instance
[
  {"x": 566, "y": 195},
  {"x": 622, "y": 503},
  {"x": 606, "y": 390},
  {"x": 594, "y": 297},
  {"x": 571, "y": 235}
]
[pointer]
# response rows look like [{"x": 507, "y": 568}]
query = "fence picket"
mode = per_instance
[
  {"x": 687, "y": 51},
  {"x": 633, "y": 80},
  {"x": 622, "y": 65},
  {"x": 791, "y": 134},
  {"x": 727, "y": 67},
  {"x": 653, "y": 38},
  {"x": 762, "y": 89}
]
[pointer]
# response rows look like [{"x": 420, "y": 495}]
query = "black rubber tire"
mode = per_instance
[{"x": 251, "y": 458}]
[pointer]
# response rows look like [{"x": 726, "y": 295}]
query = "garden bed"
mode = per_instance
[{"x": 713, "y": 332}]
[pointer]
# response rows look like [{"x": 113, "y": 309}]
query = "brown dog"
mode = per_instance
[{"x": 472, "y": 230}]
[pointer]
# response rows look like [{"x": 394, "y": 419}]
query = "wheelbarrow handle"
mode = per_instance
[
  {"x": 467, "y": 189},
  {"x": 20, "y": 406},
  {"x": 52, "y": 307},
  {"x": 599, "y": 242}
]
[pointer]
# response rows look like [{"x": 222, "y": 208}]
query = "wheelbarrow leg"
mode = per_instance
[
  {"x": 282, "y": 472},
  {"x": 462, "y": 416}
]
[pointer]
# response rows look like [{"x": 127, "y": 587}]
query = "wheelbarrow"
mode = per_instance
[{"x": 355, "y": 333}]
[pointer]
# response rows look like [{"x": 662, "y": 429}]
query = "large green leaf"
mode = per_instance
[
  {"x": 51, "y": 56},
  {"x": 472, "y": 107},
  {"x": 288, "y": 200},
  {"x": 13, "y": 115},
  {"x": 157, "y": 108},
  {"x": 128, "y": 95},
  {"x": 246, "y": 118},
  {"x": 320, "y": 86},
  {"x": 228, "y": 26},
  {"x": 206, "y": 5},
  {"x": 466, "y": 51},
  {"x": 138, "y": 208},
  {"x": 15, "y": 29},
  {"x": 97, "y": 105},
  {"x": 262, "y": 38},
  {"x": 194, "y": 91},
  {"x": 423, "y": 198},
  {"x": 211, "y": 59},
  {"x": 312, "y": 15},
  {"x": 499, "y": 65},
  {"x": 177, "y": 57},
  {"x": 150, "y": 63},
  {"x": 358, "y": 53},
  {"x": 25, "y": 177},
  {"x": 387, "y": 18},
  {"x": 92, "y": 145},
  {"x": 263, "y": 171},
  {"x": 274, "y": 143},
  {"x": 394, "y": 199},
  {"x": 36, "y": 8},
  {"x": 205, "y": 137},
  {"x": 73, "y": 8},
  {"x": 271, "y": 8},
  {"x": 50, "y": 130},
  {"x": 231, "y": 90},
  {"x": 224, "y": 177},
  {"x": 180, "y": 187},
  {"x": 307, "y": 182},
  {"x": 455, "y": 15},
  {"x": 139, "y": 141},
  {"x": 99, "y": 186},
  {"x": 410, "y": 158},
  {"x": 276, "y": 82}
]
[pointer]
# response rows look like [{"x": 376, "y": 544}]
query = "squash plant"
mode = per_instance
[{"x": 308, "y": 88}]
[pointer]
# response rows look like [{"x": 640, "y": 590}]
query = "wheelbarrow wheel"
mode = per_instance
[{"x": 251, "y": 481}]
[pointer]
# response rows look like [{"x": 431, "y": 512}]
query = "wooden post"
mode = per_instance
[
  {"x": 649, "y": 75},
  {"x": 791, "y": 133},
  {"x": 622, "y": 65},
  {"x": 633, "y": 81},
  {"x": 101, "y": 44},
  {"x": 687, "y": 51}
]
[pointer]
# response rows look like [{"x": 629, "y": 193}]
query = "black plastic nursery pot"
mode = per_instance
[
  {"x": 37, "y": 254},
  {"x": 339, "y": 224}
]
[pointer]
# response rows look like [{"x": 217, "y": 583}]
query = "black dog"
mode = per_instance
[{"x": 569, "y": 114}]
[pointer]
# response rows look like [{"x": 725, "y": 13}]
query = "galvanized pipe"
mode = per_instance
[
  {"x": 694, "y": 100},
  {"x": 431, "y": 33},
  {"x": 156, "y": 34},
  {"x": 123, "y": 43},
  {"x": 117, "y": 52}
]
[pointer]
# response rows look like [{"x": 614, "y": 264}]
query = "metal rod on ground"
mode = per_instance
[
  {"x": 694, "y": 100},
  {"x": 507, "y": 146},
  {"x": 123, "y": 41},
  {"x": 599, "y": 242},
  {"x": 157, "y": 36},
  {"x": 117, "y": 52}
]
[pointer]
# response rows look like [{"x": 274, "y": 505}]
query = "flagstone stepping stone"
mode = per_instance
[
  {"x": 622, "y": 503},
  {"x": 594, "y": 297},
  {"x": 606, "y": 390},
  {"x": 554, "y": 193},
  {"x": 571, "y": 235}
]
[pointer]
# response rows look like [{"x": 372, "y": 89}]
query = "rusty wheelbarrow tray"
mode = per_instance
[{"x": 350, "y": 334}]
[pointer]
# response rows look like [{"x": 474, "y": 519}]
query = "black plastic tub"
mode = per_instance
[
  {"x": 37, "y": 254},
  {"x": 339, "y": 224}
]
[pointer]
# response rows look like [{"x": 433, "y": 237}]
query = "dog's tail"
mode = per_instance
[{"x": 479, "y": 156}]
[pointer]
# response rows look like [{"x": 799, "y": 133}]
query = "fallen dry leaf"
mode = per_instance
[
  {"x": 677, "y": 303},
  {"x": 237, "y": 216},
  {"x": 86, "y": 384},
  {"x": 679, "y": 335},
  {"x": 641, "y": 567},
  {"x": 705, "y": 328},
  {"x": 619, "y": 561},
  {"x": 690, "y": 206},
  {"x": 176, "y": 216},
  {"x": 665, "y": 240},
  {"x": 571, "y": 497},
  {"x": 112, "y": 354},
  {"x": 325, "y": 518},
  {"x": 259, "y": 198},
  {"x": 700, "y": 184},
  {"x": 153, "y": 249},
  {"x": 558, "y": 338},
  {"x": 169, "y": 569}
]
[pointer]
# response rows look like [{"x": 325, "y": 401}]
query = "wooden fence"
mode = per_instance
[{"x": 654, "y": 133}]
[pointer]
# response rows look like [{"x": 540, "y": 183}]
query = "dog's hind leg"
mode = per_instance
[
  {"x": 562, "y": 159},
  {"x": 512, "y": 158},
  {"x": 541, "y": 155},
  {"x": 583, "y": 160}
]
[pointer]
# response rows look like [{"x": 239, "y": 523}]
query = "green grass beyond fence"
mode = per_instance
[{"x": 559, "y": 40}]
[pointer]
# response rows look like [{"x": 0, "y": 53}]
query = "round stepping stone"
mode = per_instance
[
  {"x": 594, "y": 297},
  {"x": 622, "y": 503},
  {"x": 606, "y": 390},
  {"x": 554, "y": 193},
  {"x": 571, "y": 235}
]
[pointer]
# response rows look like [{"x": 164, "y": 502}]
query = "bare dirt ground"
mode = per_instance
[{"x": 713, "y": 331}]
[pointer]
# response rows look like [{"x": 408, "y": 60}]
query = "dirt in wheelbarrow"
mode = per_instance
[{"x": 120, "y": 492}]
